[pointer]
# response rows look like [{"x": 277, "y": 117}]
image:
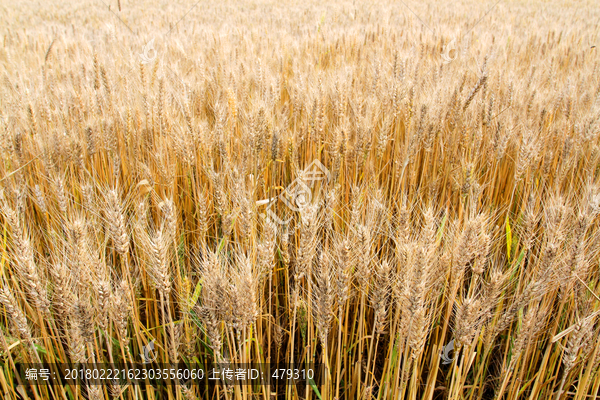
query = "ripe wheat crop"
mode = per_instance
[{"x": 404, "y": 195}]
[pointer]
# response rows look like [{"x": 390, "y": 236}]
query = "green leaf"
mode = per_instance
[
  {"x": 221, "y": 245},
  {"x": 520, "y": 258},
  {"x": 40, "y": 348},
  {"x": 508, "y": 237},
  {"x": 441, "y": 228},
  {"x": 314, "y": 387},
  {"x": 197, "y": 291}
]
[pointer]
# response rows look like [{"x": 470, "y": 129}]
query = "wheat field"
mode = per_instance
[{"x": 405, "y": 195}]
